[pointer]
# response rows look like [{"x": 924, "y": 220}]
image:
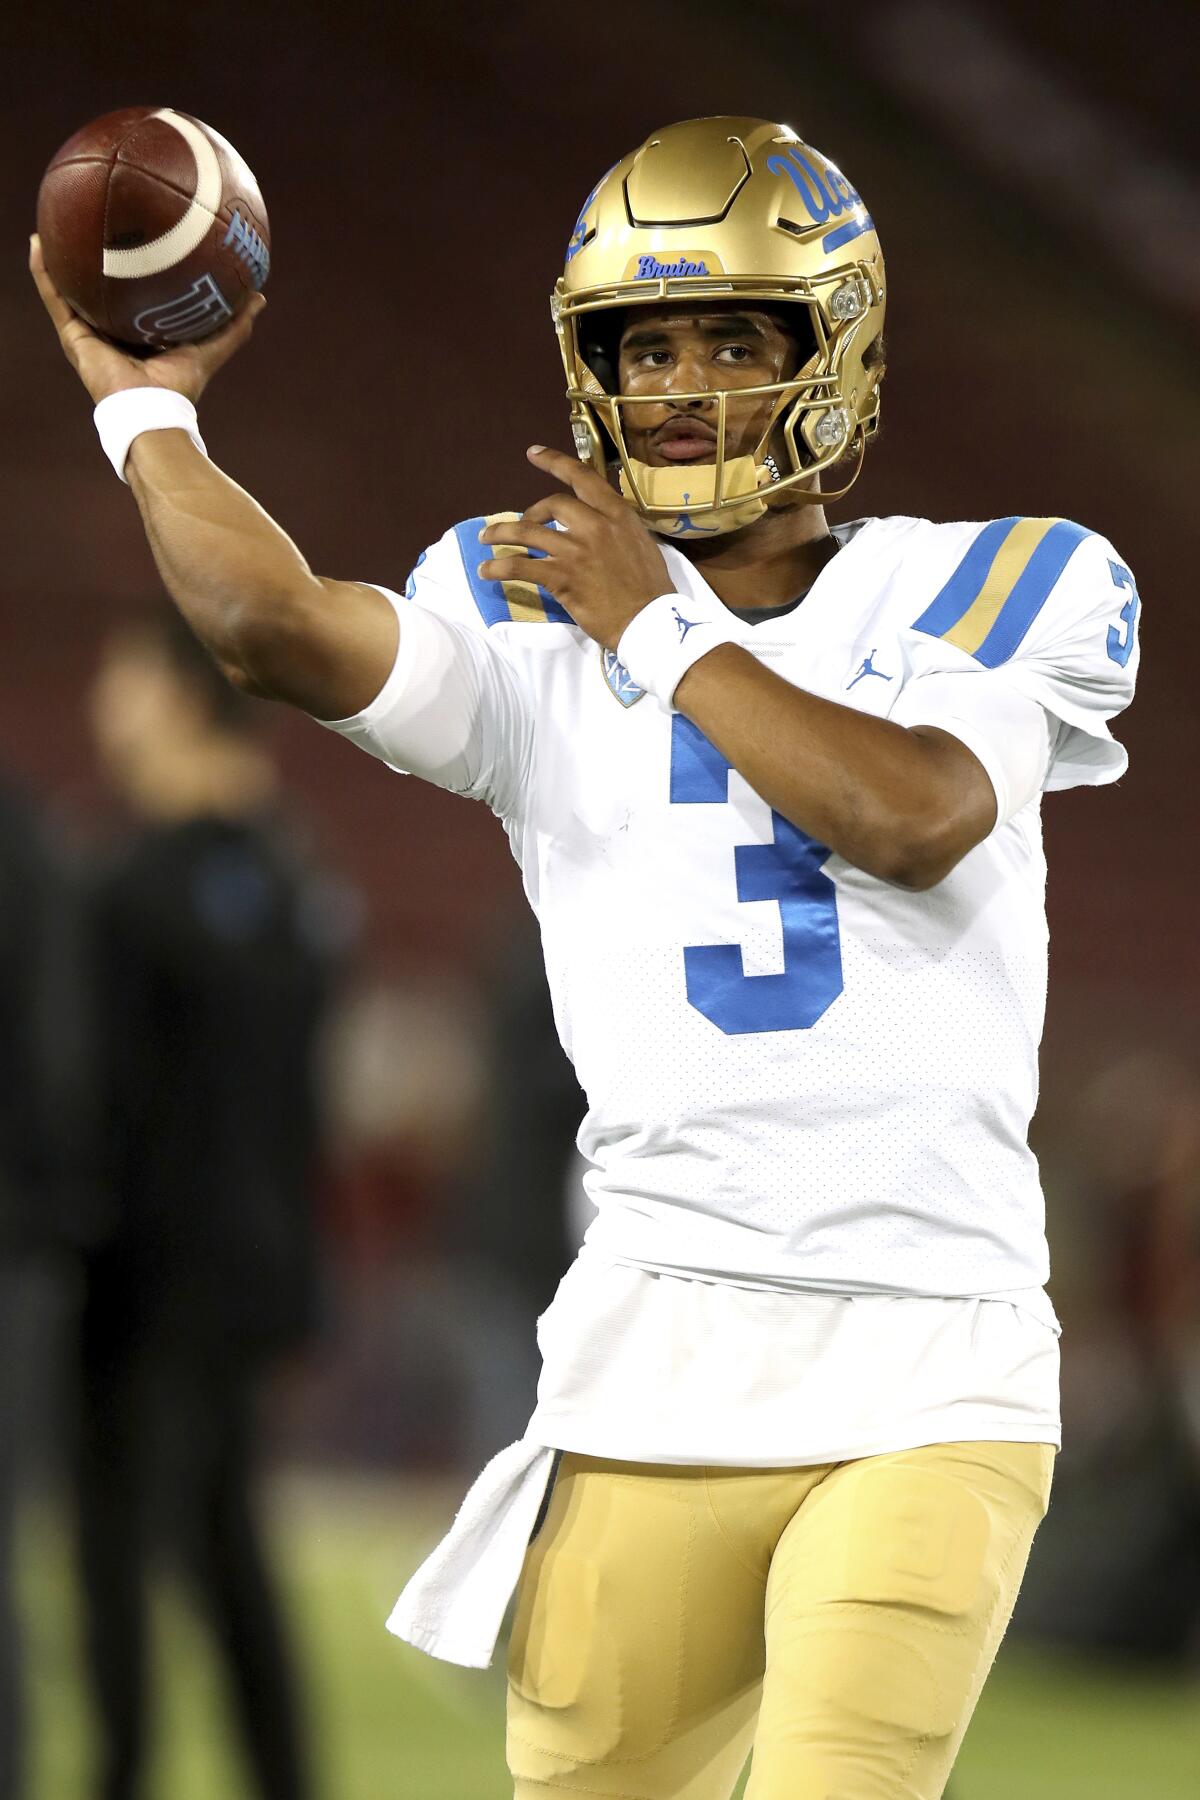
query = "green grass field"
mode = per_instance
[{"x": 389, "y": 1724}]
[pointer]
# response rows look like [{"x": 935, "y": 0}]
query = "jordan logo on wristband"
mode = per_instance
[{"x": 685, "y": 625}]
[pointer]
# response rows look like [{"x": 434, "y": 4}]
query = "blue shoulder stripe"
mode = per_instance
[
  {"x": 1030, "y": 592},
  {"x": 501, "y": 602},
  {"x": 487, "y": 595},
  {"x": 966, "y": 581},
  {"x": 1000, "y": 586},
  {"x": 410, "y": 586}
]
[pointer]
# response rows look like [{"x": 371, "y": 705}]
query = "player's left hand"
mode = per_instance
[{"x": 603, "y": 567}]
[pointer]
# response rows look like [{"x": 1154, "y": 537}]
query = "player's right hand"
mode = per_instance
[{"x": 104, "y": 368}]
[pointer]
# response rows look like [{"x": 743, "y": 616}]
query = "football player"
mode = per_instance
[{"x": 774, "y": 790}]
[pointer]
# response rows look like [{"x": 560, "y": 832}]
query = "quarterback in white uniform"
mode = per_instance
[{"x": 774, "y": 789}]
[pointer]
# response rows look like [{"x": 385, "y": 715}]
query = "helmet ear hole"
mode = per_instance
[
  {"x": 600, "y": 345},
  {"x": 599, "y": 349},
  {"x": 797, "y": 321},
  {"x": 606, "y": 442}
]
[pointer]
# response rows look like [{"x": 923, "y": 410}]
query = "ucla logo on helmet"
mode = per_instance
[
  {"x": 584, "y": 231},
  {"x": 825, "y": 193}
]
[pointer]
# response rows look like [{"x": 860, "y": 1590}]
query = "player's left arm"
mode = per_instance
[{"x": 904, "y": 804}]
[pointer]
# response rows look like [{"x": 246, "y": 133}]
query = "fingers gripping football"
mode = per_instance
[
  {"x": 598, "y": 559},
  {"x": 104, "y": 368}
]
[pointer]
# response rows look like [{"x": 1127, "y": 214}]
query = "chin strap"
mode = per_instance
[
  {"x": 694, "y": 486},
  {"x": 824, "y": 496},
  {"x": 747, "y": 489}
]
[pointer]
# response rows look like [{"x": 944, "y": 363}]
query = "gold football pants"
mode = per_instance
[{"x": 842, "y": 1619}]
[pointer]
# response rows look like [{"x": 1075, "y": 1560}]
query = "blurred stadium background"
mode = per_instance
[{"x": 1033, "y": 174}]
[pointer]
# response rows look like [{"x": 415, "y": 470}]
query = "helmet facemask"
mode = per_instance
[{"x": 806, "y": 430}]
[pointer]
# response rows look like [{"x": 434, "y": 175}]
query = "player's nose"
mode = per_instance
[
  {"x": 689, "y": 396},
  {"x": 687, "y": 375}
]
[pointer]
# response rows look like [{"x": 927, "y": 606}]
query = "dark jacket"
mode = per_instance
[
  {"x": 46, "y": 1197},
  {"x": 212, "y": 959}
]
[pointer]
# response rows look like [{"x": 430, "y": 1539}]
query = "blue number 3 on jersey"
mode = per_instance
[
  {"x": 1120, "y": 644},
  {"x": 788, "y": 871}
]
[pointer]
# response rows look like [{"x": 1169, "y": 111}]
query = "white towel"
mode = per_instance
[{"x": 453, "y": 1607}]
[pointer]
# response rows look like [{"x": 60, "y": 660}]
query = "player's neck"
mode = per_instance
[{"x": 775, "y": 560}]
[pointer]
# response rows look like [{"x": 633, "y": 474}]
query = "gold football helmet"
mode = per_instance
[{"x": 726, "y": 209}]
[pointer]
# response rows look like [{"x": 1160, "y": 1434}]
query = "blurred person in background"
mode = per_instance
[
  {"x": 212, "y": 957},
  {"x": 46, "y": 1204},
  {"x": 517, "y": 1228}
]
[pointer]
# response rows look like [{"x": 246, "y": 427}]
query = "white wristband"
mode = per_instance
[
  {"x": 125, "y": 415},
  {"x": 660, "y": 644}
]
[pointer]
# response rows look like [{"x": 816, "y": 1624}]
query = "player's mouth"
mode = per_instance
[{"x": 685, "y": 440}]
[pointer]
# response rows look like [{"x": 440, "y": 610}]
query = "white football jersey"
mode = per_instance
[{"x": 796, "y": 1073}]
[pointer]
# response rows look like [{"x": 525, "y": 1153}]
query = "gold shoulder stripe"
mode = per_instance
[
  {"x": 1011, "y": 559},
  {"x": 525, "y": 604},
  {"x": 516, "y": 599}
]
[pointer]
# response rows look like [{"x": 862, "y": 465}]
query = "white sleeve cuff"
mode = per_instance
[
  {"x": 1006, "y": 731},
  {"x": 409, "y": 724},
  {"x": 450, "y": 711}
]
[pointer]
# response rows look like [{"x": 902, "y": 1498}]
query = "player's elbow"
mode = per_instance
[
  {"x": 943, "y": 816},
  {"x": 926, "y": 849},
  {"x": 917, "y": 874},
  {"x": 262, "y": 645}
]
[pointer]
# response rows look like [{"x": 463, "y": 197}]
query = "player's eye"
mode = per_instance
[
  {"x": 654, "y": 359},
  {"x": 736, "y": 353}
]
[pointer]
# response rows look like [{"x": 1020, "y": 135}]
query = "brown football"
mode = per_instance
[{"x": 152, "y": 227}]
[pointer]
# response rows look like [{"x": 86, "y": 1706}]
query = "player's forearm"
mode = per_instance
[
  {"x": 897, "y": 804},
  {"x": 232, "y": 571}
]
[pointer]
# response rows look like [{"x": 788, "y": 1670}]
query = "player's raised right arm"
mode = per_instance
[{"x": 276, "y": 629}]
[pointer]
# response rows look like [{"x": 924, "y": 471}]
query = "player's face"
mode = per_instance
[{"x": 668, "y": 351}]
